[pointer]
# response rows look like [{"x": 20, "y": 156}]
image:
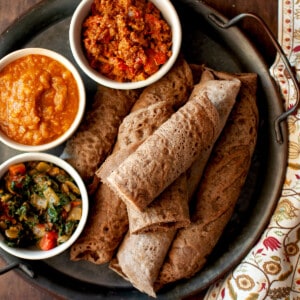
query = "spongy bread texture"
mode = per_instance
[
  {"x": 94, "y": 139},
  {"x": 169, "y": 210},
  {"x": 154, "y": 106},
  {"x": 169, "y": 89},
  {"x": 104, "y": 230},
  {"x": 184, "y": 254},
  {"x": 172, "y": 148},
  {"x": 109, "y": 221},
  {"x": 219, "y": 189},
  {"x": 141, "y": 256},
  {"x": 140, "y": 124}
]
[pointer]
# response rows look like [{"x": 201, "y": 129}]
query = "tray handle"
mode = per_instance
[
  {"x": 220, "y": 23},
  {"x": 25, "y": 268}
]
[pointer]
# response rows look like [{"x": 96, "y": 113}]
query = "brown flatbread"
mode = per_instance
[
  {"x": 139, "y": 263},
  {"x": 94, "y": 139},
  {"x": 105, "y": 228},
  {"x": 173, "y": 147},
  {"x": 171, "y": 207},
  {"x": 219, "y": 189},
  {"x": 174, "y": 88},
  {"x": 140, "y": 256},
  {"x": 169, "y": 210},
  {"x": 153, "y": 108},
  {"x": 109, "y": 222}
]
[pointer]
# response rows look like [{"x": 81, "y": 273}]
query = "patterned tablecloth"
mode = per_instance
[{"x": 271, "y": 270}]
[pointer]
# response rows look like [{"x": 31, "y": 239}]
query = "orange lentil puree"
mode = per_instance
[
  {"x": 38, "y": 99},
  {"x": 126, "y": 40}
]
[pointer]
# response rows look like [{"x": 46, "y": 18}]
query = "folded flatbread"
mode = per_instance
[
  {"x": 171, "y": 207},
  {"x": 109, "y": 222},
  {"x": 169, "y": 210},
  {"x": 141, "y": 255},
  {"x": 219, "y": 188},
  {"x": 155, "y": 105},
  {"x": 105, "y": 228},
  {"x": 94, "y": 139},
  {"x": 173, "y": 147}
]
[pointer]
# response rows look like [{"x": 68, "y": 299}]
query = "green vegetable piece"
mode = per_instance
[
  {"x": 62, "y": 239},
  {"x": 52, "y": 213},
  {"x": 5, "y": 197},
  {"x": 22, "y": 212}
]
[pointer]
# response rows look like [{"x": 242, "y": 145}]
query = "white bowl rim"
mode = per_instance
[
  {"x": 41, "y": 254},
  {"x": 12, "y": 56},
  {"x": 75, "y": 29}
]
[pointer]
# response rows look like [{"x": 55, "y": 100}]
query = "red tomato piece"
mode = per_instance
[
  {"x": 151, "y": 66},
  {"x": 160, "y": 58},
  {"x": 76, "y": 203},
  {"x": 122, "y": 65},
  {"x": 49, "y": 240},
  {"x": 17, "y": 169}
]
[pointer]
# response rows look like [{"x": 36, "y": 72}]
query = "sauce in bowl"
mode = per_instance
[
  {"x": 126, "y": 41},
  {"x": 39, "y": 99}
]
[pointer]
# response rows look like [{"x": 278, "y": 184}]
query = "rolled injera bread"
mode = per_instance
[
  {"x": 171, "y": 88},
  {"x": 139, "y": 263},
  {"x": 105, "y": 228},
  {"x": 141, "y": 254},
  {"x": 219, "y": 189},
  {"x": 171, "y": 207},
  {"x": 109, "y": 223},
  {"x": 169, "y": 210},
  {"x": 174, "y": 146},
  {"x": 96, "y": 135},
  {"x": 155, "y": 105}
]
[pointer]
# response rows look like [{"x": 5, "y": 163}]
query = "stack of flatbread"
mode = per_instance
[
  {"x": 169, "y": 185},
  {"x": 109, "y": 219}
]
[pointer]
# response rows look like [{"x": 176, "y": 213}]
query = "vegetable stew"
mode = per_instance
[{"x": 40, "y": 204}]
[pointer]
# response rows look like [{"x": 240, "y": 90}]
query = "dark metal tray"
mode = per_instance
[{"x": 46, "y": 25}]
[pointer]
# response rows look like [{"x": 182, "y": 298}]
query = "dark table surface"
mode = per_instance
[{"x": 12, "y": 286}]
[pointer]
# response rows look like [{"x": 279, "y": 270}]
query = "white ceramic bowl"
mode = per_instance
[
  {"x": 34, "y": 253},
  {"x": 81, "y": 91},
  {"x": 170, "y": 15}
]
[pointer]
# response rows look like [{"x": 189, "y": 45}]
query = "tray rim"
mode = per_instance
[{"x": 229, "y": 34}]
